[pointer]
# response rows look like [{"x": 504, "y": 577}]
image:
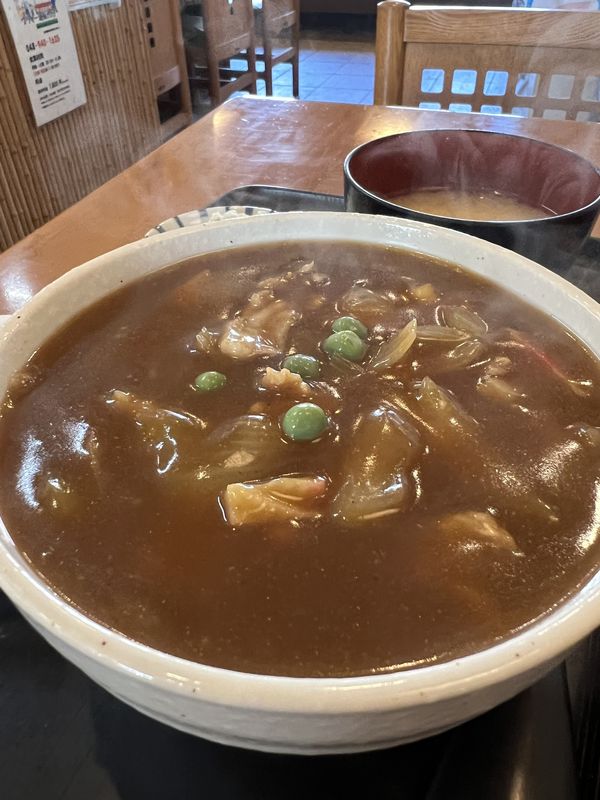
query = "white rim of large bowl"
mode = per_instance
[{"x": 544, "y": 640}]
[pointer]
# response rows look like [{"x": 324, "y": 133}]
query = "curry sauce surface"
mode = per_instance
[{"x": 129, "y": 525}]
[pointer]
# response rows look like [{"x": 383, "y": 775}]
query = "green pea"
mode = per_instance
[
  {"x": 350, "y": 324},
  {"x": 306, "y": 366},
  {"x": 210, "y": 381},
  {"x": 304, "y": 422},
  {"x": 345, "y": 344}
]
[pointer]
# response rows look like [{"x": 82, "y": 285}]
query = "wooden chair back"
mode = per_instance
[
  {"x": 228, "y": 32},
  {"x": 530, "y": 62},
  {"x": 168, "y": 61},
  {"x": 280, "y": 17},
  {"x": 229, "y": 27}
]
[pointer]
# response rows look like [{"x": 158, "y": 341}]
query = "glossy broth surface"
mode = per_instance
[
  {"x": 461, "y": 204},
  {"x": 450, "y": 501}
]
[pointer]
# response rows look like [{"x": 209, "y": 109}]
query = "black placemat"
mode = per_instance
[{"x": 64, "y": 738}]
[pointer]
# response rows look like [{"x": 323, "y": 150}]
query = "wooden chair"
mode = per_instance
[
  {"x": 168, "y": 63},
  {"x": 228, "y": 34},
  {"x": 280, "y": 18},
  {"x": 530, "y": 62}
]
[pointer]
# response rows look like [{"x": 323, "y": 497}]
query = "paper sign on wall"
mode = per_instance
[{"x": 43, "y": 37}]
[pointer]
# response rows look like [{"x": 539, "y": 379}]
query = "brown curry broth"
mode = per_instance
[{"x": 321, "y": 598}]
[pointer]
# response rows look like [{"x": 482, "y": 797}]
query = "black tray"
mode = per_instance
[{"x": 64, "y": 738}]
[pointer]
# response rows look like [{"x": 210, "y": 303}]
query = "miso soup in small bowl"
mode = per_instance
[{"x": 535, "y": 198}]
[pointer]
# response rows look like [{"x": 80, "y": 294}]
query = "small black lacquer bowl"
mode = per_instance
[{"x": 536, "y": 173}]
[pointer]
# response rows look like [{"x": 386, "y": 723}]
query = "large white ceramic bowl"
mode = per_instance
[{"x": 294, "y": 715}]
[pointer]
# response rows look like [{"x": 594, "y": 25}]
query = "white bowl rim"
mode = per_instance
[{"x": 547, "y": 638}]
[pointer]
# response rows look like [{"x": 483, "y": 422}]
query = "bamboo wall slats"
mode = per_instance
[{"x": 45, "y": 170}]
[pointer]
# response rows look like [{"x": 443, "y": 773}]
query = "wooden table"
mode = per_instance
[{"x": 251, "y": 140}]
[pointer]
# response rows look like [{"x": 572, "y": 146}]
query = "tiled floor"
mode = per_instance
[
  {"x": 334, "y": 71},
  {"x": 337, "y": 64}
]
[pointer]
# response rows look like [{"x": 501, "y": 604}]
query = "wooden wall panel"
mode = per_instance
[{"x": 45, "y": 170}]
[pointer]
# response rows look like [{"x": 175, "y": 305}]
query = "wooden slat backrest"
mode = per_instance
[
  {"x": 280, "y": 28},
  {"x": 163, "y": 40},
  {"x": 278, "y": 15},
  {"x": 509, "y": 60},
  {"x": 229, "y": 27}
]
